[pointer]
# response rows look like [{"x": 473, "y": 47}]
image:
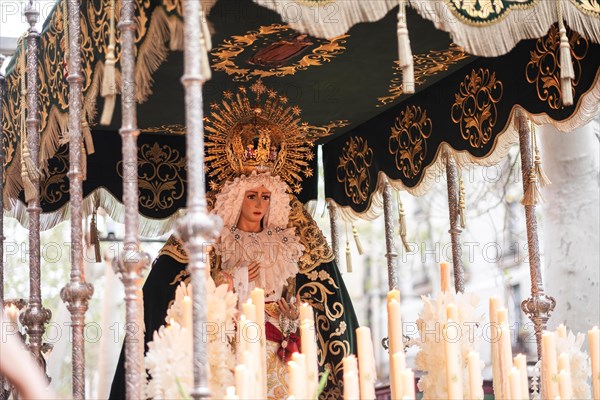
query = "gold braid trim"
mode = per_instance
[{"x": 174, "y": 248}]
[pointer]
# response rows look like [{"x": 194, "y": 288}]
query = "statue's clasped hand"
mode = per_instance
[{"x": 288, "y": 310}]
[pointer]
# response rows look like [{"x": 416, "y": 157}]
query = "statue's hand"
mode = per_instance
[
  {"x": 253, "y": 271},
  {"x": 290, "y": 311}
]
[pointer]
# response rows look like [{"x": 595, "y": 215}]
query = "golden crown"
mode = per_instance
[{"x": 265, "y": 134}]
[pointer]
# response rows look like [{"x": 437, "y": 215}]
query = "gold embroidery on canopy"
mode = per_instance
[{"x": 474, "y": 106}]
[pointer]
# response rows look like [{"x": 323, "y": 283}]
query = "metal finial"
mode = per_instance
[{"x": 32, "y": 14}]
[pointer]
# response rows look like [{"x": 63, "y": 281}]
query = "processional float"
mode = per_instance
[{"x": 402, "y": 141}]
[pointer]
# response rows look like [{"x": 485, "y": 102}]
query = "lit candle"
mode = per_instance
[
  {"x": 561, "y": 331},
  {"x": 549, "y": 367},
  {"x": 306, "y": 312},
  {"x": 594, "y": 338},
  {"x": 408, "y": 384},
  {"x": 397, "y": 366},
  {"x": 187, "y": 313},
  {"x": 475, "y": 381},
  {"x": 309, "y": 349},
  {"x": 453, "y": 364},
  {"x": 520, "y": 362},
  {"x": 505, "y": 361},
  {"x": 494, "y": 335},
  {"x": 258, "y": 299},
  {"x": 296, "y": 388},
  {"x": 249, "y": 310},
  {"x": 445, "y": 276},
  {"x": 366, "y": 363},
  {"x": 564, "y": 385},
  {"x": 514, "y": 377},
  {"x": 230, "y": 393},
  {"x": 452, "y": 312},
  {"x": 242, "y": 381},
  {"x": 393, "y": 294},
  {"x": 351, "y": 388}
]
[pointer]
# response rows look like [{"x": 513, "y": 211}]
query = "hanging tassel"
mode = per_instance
[
  {"x": 205, "y": 46},
  {"x": 405, "y": 57},
  {"x": 95, "y": 236},
  {"x": 402, "y": 223},
  {"x": 109, "y": 81},
  {"x": 532, "y": 194},
  {"x": 567, "y": 74},
  {"x": 462, "y": 208},
  {"x": 348, "y": 254},
  {"x": 359, "y": 247},
  {"x": 537, "y": 161}
]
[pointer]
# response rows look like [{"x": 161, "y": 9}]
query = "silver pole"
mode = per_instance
[
  {"x": 391, "y": 254},
  {"x": 335, "y": 235},
  {"x": 131, "y": 261},
  {"x": 77, "y": 292},
  {"x": 35, "y": 316},
  {"x": 455, "y": 230},
  {"x": 197, "y": 227},
  {"x": 539, "y": 306}
]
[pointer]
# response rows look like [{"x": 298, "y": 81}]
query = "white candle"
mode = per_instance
[
  {"x": 296, "y": 388},
  {"x": 393, "y": 294},
  {"x": 515, "y": 383},
  {"x": 564, "y": 385},
  {"x": 351, "y": 387},
  {"x": 454, "y": 376},
  {"x": 230, "y": 393},
  {"x": 549, "y": 367},
  {"x": 258, "y": 299},
  {"x": 249, "y": 310},
  {"x": 242, "y": 381},
  {"x": 445, "y": 276},
  {"x": 397, "y": 366},
  {"x": 408, "y": 384},
  {"x": 366, "y": 363},
  {"x": 394, "y": 326},
  {"x": 301, "y": 392},
  {"x": 349, "y": 364},
  {"x": 309, "y": 349},
  {"x": 306, "y": 312},
  {"x": 502, "y": 316},
  {"x": 494, "y": 336},
  {"x": 594, "y": 338},
  {"x": 505, "y": 360},
  {"x": 475, "y": 381},
  {"x": 452, "y": 312},
  {"x": 187, "y": 313},
  {"x": 520, "y": 362}
]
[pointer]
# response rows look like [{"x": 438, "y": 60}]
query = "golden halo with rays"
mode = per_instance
[{"x": 264, "y": 134}]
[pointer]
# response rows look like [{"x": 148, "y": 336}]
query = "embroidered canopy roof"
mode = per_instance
[{"x": 349, "y": 84}]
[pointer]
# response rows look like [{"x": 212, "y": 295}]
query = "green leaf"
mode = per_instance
[{"x": 322, "y": 383}]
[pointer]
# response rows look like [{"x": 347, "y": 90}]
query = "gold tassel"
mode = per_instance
[
  {"x": 402, "y": 223},
  {"x": 462, "y": 208},
  {"x": 95, "y": 236},
  {"x": 405, "y": 58},
  {"x": 537, "y": 161},
  {"x": 567, "y": 74},
  {"x": 109, "y": 81},
  {"x": 359, "y": 247},
  {"x": 532, "y": 194}
]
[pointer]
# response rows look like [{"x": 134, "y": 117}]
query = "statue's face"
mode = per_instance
[{"x": 255, "y": 205}]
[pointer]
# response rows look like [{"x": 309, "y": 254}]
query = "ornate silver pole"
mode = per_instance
[
  {"x": 539, "y": 306},
  {"x": 77, "y": 292},
  {"x": 391, "y": 254},
  {"x": 198, "y": 227},
  {"x": 131, "y": 261},
  {"x": 35, "y": 316},
  {"x": 335, "y": 238},
  {"x": 1, "y": 205},
  {"x": 455, "y": 230}
]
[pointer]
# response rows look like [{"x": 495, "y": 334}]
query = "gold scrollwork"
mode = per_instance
[
  {"x": 54, "y": 184},
  {"x": 483, "y": 12},
  {"x": 425, "y": 65},
  {"x": 226, "y": 54},
  {"x": 160, "y": 180},
  {"x": 353, "y": 169},
  {"x": 543, "y": 69},
  {"x": 408, "y": 141},
  {"x": 474, "y": 106},
  {"x": 590, "y": 7}
]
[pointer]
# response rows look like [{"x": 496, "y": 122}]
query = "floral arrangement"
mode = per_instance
[
  {"x": 169, "y": 357},
  {"x": 431, "y": 357},
  {"x": 579, "y": 363}
]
